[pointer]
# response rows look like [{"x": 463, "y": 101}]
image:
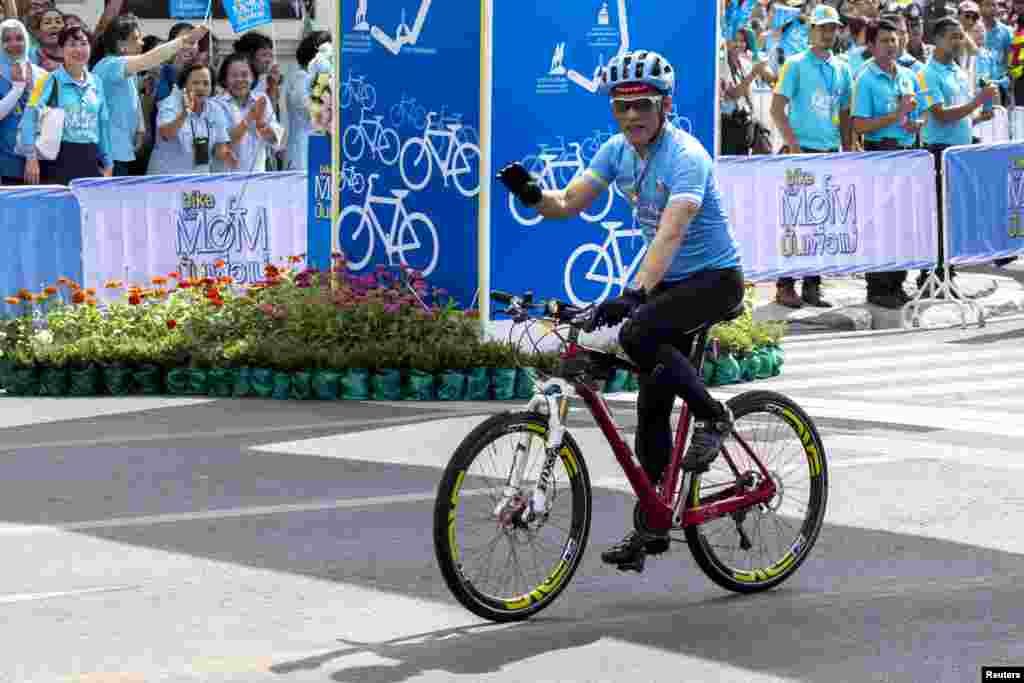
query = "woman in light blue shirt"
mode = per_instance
[
  {"x": 190, "y": 128},
  {"x": 85, "y": 145},
  {"x": 17, "y": 78},
  {"x": 249, "y": 116},
  {"x": 119, "y": 60}
]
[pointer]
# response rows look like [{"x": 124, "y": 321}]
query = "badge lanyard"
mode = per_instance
[{"x": 643, "y": 177}]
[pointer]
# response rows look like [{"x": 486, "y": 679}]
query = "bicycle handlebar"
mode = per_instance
[{"x": 519, "y": 307}]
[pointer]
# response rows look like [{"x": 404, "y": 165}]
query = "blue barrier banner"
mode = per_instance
[
  {"x": 244, "y": 15},
  {"x": 318, "y": 192},
  {"x": 984, "y": 196},
  {"x": 410, "y": 155},
  {"x": 42, "y": 228},
  {"x": 547, "y": 115}
]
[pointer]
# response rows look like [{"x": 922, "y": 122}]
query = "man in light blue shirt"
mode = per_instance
[
  {"x": 998, "y": 37},
  {"x": 816, "y": 88},
  {"x": 947, "y": 95},
  {"x": 884, "y": 101}
]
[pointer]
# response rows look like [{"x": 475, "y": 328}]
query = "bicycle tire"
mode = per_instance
[
  {"x": 391, "y": 142},
  {"x": 424, "y": 152},
  {"x": 754, "y": 580},
  {"x": 515, "y": 607},
  {"x": 433, "y": 247},
  {"x": 358, "y": 132},
  {"x": 365, "y": 223},
  {"x": 600, "y": 254},
  {"x": 468, "y": 154}
]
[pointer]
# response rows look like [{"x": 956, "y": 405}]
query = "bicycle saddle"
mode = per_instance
[
  {"x": 400, "y": 194},
  {"x": 378, "y": 119}
]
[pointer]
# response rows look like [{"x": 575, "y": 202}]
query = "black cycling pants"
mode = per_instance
[{"x": 659, "y": 338}]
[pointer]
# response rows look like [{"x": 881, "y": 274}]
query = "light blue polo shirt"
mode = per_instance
[
  {"x": 817, "y": 91},
  {"x": 86, "y": 114},
  {"x": 856, "y": 57},
  {"x": 998, "y": 40},
  {"x": 910, "y": 62},
  {"x": 123, "y": 101},
  {"x": 877, "y": 93},
  {"x": 946, "y": 85},
  {"x": 679, "y": 169}
]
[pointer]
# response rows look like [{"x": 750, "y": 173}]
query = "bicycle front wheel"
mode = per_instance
[
  {"x": 498, "y": 562},
  {"x": 767, "y": 543}
]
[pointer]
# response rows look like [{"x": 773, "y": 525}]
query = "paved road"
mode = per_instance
[{"x": 194, "y": 540}]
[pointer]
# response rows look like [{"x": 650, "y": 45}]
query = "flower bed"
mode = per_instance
[{"x": 298, "y": 334}]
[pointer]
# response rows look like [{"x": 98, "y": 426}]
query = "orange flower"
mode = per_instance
[
  {"x": 91, "y": 291},
  {"x": 12, "y": 300},
  {"x": 171, "y": 324},
  {"x": 91, "y": 302},
  {"x": 212, "y": 293},
  {"x": 271, "y": 271},
  {"x": 28, "y": 297},
  {"x": 294, "y": 259},
  {"x": 24, "y": 294},
  {"x": 78, "y": 297},
  {"x": 135, "y": 299},
  {"x": 113, "y": 284},
  {"x": 50, "y": 291},
  {"x": 217, "y": 302},
  {"x": 159, "y": 280},
  {"x": 184, "y": 284},
  {"x": 207, "y": 281},
  {"x": 134, "y": 290},
  {"x": 162, "y": 293},
  {"x": 63, "y": 280},
  {"x": 226, "y": 280},
  {"x": 74, "y": 287},
  {"x": 175, "y": 274},
  {"x": 219, "y": 263},
  {"x": 42, "y": 296}
]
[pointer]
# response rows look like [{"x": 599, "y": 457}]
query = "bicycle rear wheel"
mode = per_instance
[
  {"x": 498, "y": 565},
  {"x": 780, "y": 532}
]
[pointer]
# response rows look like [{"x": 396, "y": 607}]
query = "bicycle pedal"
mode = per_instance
[{"x": 634, "y": 565}]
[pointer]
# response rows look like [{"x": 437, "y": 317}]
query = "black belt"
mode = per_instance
[{"x": 885, "y": 145}]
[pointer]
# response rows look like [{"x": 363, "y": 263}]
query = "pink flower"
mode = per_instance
[
  {"x": 392, "y": 308},
  {"x": 267, "y": 308}
]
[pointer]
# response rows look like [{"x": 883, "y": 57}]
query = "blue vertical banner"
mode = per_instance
[
  {"x": 318, "y": 227},
  {"x": 244, "y": 15},
  {"x": 548, "y": 115},
  {"x": 409, "y": 94}
]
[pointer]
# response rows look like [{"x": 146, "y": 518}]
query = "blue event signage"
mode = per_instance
[
  {"x": 985, "y": 202},
  {"x": 318, "y": 240},
  {"x": 244, "y": 15},
  {"x": 548, "y": 116},
  {"x": 188, "y": 9},
  {"x": 410, "y": 156}
]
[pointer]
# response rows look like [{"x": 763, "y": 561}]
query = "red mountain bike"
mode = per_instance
[{"x": 513, "y": 508}]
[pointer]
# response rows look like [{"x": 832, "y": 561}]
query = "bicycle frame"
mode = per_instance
[
  {"x": 400, "y": 214},
  {"x": 662, "y": 509}
]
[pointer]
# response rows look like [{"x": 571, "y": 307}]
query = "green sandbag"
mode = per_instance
[
  {"x": 778, "y": 360},
  {"x": 478, "y": 384},
  {"x": 117, "y": 379},
  {"x": 177, "y": 381},
  {"x": 221, "y": 382},
  {"x": 198, "y": 382},
  {"x": 53, "y": 381},
  {"x": 282, "y": 386},
  {"x": 325, "y": 385},
  {"x": 765, "y": 362},
  {"x": 386, "y": 385},
  {"x": 617, "y": 383},
  {"x": 84, "y": 381},
  {"x": 354, "y": 385},
  {"x": 633, "y": 382},
  {"x": 451, "y": 385},
  {"x": 525, "y": 378},
  {"x": 504, "y": 386},
  {"x": 149, "y": 379},
  {"x": 418, "y": 386},
  {"x": 727, "y": 370},
  {"x": 263, "y": 382},
  {"x": 6, "y": 365},
  {"x": 243, "y": 383},
  {"x": 709, "y": 372},
  {"x": 23, "y": 381},
  {"x": 748, "y": 367},
  {"x": 302, "y": 385}
]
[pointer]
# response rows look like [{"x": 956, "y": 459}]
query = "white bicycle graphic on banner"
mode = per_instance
[
  {"x": 351, "y": 179},
  {"x": 606, "y": 266},
  {"x": 566, "y": 165},
  {"x": 383, "y": 142},
  {"x": 412, "y": 237},
  {"x": 461, "y": 160},
  {"x": 358, "y": 89}
]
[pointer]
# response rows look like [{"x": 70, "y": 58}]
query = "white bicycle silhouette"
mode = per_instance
[
  {"x": 407, "y": 111},
  {"x": 403, "y": 239},
  {"x": 546, "y": 179},
  {"x": 358, "y": 89},
  {"x": 351, "y": 179},
  {"x": 607, "y": 267},
  {"x": 457, "y": 163},
  {"x": 383, "y": 142}
]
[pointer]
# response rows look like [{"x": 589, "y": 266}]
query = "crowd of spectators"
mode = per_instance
[
  {"x": 136, "y": 104},
  {"x": 866, "y": 75}
]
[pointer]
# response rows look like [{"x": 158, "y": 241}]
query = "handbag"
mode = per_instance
[{"x": 51, "y": 126}]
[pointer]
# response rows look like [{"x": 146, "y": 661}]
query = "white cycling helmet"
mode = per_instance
[{"x": 639, "y": 66}]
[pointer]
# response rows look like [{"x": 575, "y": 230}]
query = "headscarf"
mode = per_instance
[{"x": 5, "y": 60}]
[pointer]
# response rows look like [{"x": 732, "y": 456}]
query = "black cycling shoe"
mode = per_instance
[
  {"x": 629, "y": 553},
  {"x": 706, "y": 443}
]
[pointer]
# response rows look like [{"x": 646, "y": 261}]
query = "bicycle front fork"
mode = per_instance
[{"x": 553, "y": 400}]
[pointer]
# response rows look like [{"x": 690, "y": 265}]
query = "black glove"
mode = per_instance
[
  {"x": 520, "y": 183},
  {"x": 614, "y": 311}
]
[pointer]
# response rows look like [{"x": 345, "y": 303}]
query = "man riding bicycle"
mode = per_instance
[{"x": 690, "y": 276}]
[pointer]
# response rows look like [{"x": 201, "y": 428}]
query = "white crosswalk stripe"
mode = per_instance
[{"x": 924, "y": 380}]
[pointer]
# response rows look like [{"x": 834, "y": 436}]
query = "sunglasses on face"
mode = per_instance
[
  {"x": 642, "y": 105},
  {"x": 972, "y": 17}
]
